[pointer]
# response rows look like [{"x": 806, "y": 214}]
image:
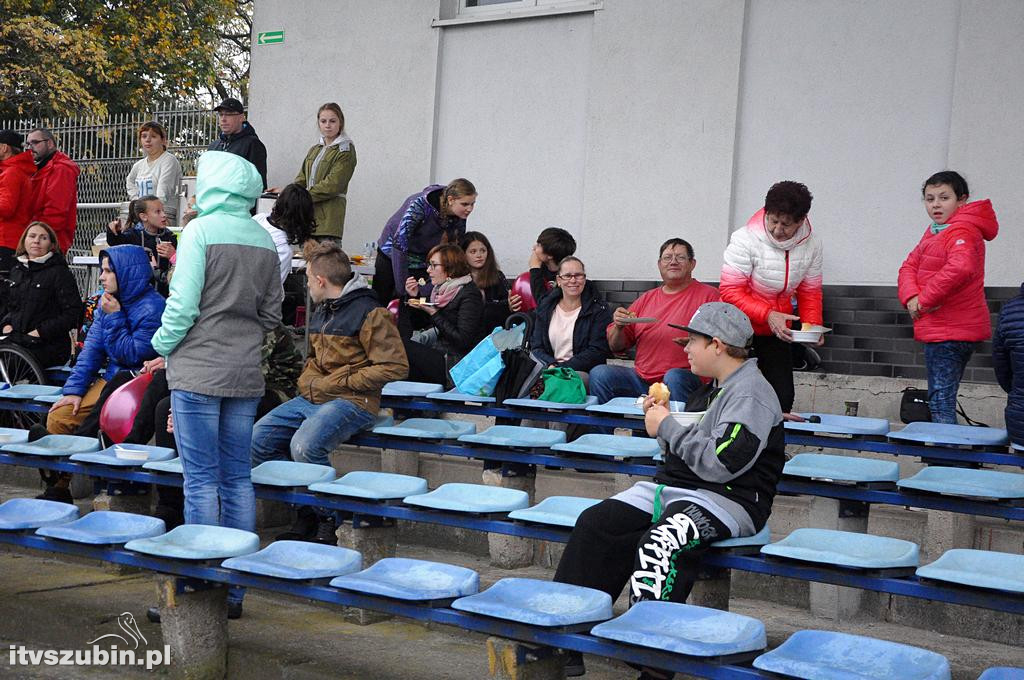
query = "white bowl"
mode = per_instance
[
  {"x": 807, "y": 336},
  {"x": 687, "y": 417},
  {"x": 125, "y": 453}
]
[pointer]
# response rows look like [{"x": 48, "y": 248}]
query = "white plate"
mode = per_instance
[
  {"x": 687, "y": 417},
  {"x": 807, "y": 336},
  {"x": 124, "y": 453},
  {"x": 640, "y": 319}
]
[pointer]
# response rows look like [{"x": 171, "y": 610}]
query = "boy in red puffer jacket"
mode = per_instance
[{"x": 942, "y": 285}]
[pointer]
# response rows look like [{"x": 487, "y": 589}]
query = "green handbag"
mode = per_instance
[{"x": 563, "y": 385}]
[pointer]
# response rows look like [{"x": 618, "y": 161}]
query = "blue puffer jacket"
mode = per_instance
[
  {"x": 589, "y": 342},
  {"x": 120, "y": 341},
  {"x": 1008, "y": 359}
]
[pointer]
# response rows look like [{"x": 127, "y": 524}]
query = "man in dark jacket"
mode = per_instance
[
  {"x": 118, "y": 340},
  {"x": 354, "y": 350},
  {"x": 1008, "y": 360},
  {"x": 238, "y": 136}
]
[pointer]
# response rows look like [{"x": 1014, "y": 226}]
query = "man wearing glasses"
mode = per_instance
[
  {"x": 54, "y": 187},
  {"x": 238, "y": 136},
  {"x": 645, "y": 325}
]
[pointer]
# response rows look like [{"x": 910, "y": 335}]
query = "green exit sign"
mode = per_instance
[{"x": 269, "y": 37}]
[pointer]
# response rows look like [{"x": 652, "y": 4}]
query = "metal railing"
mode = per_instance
[{"x": 105, "y": 150}]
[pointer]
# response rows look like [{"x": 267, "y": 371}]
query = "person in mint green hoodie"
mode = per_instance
[{"x": 224, "y": 296}]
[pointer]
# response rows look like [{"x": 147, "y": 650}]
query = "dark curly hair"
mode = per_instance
[
  {"x": 788, "y": 198},
  {"x": 293, "y": 214},
  {"x": 950, "y": 177}
]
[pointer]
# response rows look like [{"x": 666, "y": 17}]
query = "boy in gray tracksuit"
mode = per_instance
[{"x": 717, "y": 481}]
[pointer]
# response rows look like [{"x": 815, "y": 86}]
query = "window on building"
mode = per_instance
[{"x": 468, "y": 11}]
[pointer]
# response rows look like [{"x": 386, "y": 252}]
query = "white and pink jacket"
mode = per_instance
[{"x": 761, "y": 275}]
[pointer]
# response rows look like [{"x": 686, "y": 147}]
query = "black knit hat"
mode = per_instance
[{"x": 12, "y": 138}]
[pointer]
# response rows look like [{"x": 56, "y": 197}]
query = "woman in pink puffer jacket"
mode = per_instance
[{"x": 942, "y": 285}]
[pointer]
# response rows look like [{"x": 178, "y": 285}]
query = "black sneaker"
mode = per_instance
[
  {"x": 153, "y": 614},
  {"x": 574, "y": 666},
  {"x": 61, "y": 494},
  {"x": 304, "y": 529},
  {"x": 327, "y": 531}
]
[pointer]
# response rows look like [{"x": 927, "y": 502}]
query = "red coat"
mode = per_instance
[
  {"x": 946, "y": 271},
  {"x": 15, "y": 197},
  {"x": 55, "y": 197}
]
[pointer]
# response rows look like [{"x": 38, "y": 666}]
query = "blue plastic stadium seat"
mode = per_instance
[
  {"x": 298, "y": 560},
  {"x": 550, "y": 405},
  {"x": 19, "y": 514},
  {"x": 562, "y": 511},
  {"x": 104, "y": 527},
  {"x": 55, "y": 445},
  {"x": 849, "y": 469},
  {"x": 824, "y": 655},
  {"x": 418, "y": 580},
  {"x": 762, "y": 537},
  {"x": 455, "y": 395},
  {"x": 514, "y": 436},
  {"x": 198, "y": 542},
  {"x": 685, "y": 629},
  {"x": 832, "y": 424},
  {"x": 108, "y": 456},
  {"x": 539, "y": 603},
  {"x": 406, "y": 388},
  {"x": 428, "y": 428},
  {"x": 172, "y": 466},
  {"x": 627, "y": 406},
  {"x": 987, "y": 484},
  {"x": 29, "y": 391},
  {"x": 845, "y": 549},
  {"x": 377, "y": 486},
  {"x": 611, "y": 446},
  {"x": 1002, "y": 673},
  {"x": 944, "y": 433},
  {"x": 978, "y": 568},
  {"x": 10, "y": 435},
  {"x": 1017, "y": 447},
  {"x": 291, "y": 473},
  {"x": 479, "y": 498},
  {"x": 47, "y": 398},
  {"x": 386, "y": 420}
]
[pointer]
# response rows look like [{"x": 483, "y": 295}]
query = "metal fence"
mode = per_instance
[{"x": 105, "y": 149}]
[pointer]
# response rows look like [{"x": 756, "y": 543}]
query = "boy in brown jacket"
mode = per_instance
[{"x": 354, "y": 350}]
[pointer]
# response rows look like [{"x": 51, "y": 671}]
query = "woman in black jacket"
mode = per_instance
[
  {"x": 499, "y": 301},
  {"x": 43, "y": 304},
  {"x": 570, "y": 322},
  {"x": 454, "y": 312}
]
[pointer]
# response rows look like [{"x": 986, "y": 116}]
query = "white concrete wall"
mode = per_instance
[{"x": 645, "y": 120}]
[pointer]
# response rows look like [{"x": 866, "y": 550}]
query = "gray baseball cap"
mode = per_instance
[{"x": 723, "y": 321}]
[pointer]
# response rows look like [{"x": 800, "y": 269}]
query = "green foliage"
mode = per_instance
[{"x": 82, "y": 57}]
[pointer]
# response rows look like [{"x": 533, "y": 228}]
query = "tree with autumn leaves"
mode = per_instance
[{"x": 93, "y": 57}]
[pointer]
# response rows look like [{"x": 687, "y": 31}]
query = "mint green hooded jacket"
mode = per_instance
[{"x": 226, "y": 290}]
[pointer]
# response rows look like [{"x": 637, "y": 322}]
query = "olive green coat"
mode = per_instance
[{"x": 330, "y": 185}]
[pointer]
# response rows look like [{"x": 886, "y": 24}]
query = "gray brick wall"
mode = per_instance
[{"x": 871, "y": 332}]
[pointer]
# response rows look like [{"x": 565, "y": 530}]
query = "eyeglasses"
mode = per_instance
[
  {"x": 668, "y": 259},
  {"x": 571, "y": 277},
  {"x": 434, "y": 265},
  {"x": 33, "y": 142}
]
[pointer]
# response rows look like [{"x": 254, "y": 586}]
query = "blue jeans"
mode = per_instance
[
  {"x": 306, "y": 432},
  {"x": 608, "y": 381},
  {"x": 214, "y": 435},
  {"x": 945, "y": 362}
]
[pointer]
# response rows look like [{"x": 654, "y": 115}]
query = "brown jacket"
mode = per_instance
[{"x": 354, "y": 349}]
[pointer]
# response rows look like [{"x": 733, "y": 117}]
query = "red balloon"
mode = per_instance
[
  {"x": 118, "y": 414},
  {"x": 393, "y": 308},
  {"x": 521, "y": 287}
]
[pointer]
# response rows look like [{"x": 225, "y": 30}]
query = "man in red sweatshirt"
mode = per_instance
[
  {"x": 16, "y": 168},
  {"x": 54, "y": 187}
]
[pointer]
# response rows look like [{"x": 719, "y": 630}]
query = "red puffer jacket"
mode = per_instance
[
  {"x": 946, "y": 271},
  {"x": 15, "y": 197},
  {"x": 55, "y": 197}
]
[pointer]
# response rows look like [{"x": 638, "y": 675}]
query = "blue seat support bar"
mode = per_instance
[
  {"x": 508, "y": 629},
  {"x": 579, "y": 417},
  {"x": 894, "y": 449}
]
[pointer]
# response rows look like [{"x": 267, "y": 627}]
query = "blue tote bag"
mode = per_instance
[{"x": 478, "y": 372}]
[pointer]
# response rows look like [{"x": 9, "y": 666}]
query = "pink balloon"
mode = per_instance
[
  {"x": 521, "y": 287},
  {"x": 118, "y": 414}
]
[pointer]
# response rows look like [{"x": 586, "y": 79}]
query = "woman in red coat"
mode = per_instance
[{"x": 941, "y": 284}]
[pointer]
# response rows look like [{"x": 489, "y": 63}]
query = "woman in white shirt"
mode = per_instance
[
  {"x": 570, "y": 322},
  {"x": 289, "y": 223},
  {"x": 157, "y": 174}
]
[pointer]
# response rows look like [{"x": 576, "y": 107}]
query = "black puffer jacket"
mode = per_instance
[
  {"x": 43, "y": 297},
  {"x": 1008, "y": 360},
  {"x": 459, "y": 324},
  {"x": 589, "y": 342}
]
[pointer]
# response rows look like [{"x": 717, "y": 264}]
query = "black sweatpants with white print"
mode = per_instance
[{"x": 615, "y": 543}]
